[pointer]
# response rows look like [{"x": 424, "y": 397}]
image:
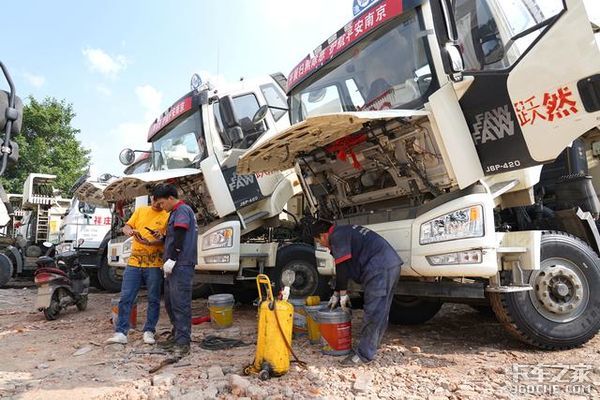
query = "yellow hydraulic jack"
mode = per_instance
[{"x": 275, "y": 324}]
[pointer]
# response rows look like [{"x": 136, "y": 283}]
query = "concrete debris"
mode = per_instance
[
  {"x": 167, "y": 379},
  {"x": 82, "y": 351},
  {"x": 238, "y": 384},
  {"x": 363, "y": 382},
  {"x": 215, "y": 372}
]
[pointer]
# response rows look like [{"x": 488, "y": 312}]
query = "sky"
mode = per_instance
[{"x": 122, "y": 63}]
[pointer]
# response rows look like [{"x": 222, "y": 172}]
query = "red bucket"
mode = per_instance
[{"x": 336, "y": 332}]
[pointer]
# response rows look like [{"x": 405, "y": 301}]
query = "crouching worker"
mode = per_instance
[
  {"x": 145, "y": 226},
  {"x": 368, "y": 259}
]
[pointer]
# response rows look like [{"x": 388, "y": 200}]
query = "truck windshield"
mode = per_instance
[
  {"x": 180, "y": 146},
  {"x": 389, "y": 69}
]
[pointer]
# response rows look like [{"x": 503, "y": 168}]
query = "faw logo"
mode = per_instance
[
  {"x": 240, "y": 181},
  {"x": 493, "y": 125}
]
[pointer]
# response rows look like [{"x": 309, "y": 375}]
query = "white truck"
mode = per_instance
[
  {"x": 89, "y": 223},
  {"x": 196, "y": 145},
  {"x": 37, "y": 221},
  {"x": 429, "y": 121}
]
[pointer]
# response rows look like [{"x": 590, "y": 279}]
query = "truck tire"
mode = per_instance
[
  {"x": 300, "y": 258},
  {"x": 407, "y": 310},
  {"x": 6, "y": 269},
  {"x": 563, "y": 309},
  {"x": 107, "y": 277}
]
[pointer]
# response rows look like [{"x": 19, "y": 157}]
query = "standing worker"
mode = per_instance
[
  {"x": 368, "y": 259},
  {"x": 146, "y": 225},
  {"x": 180, "y": 258}
]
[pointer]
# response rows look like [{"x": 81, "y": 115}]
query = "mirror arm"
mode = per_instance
[
  {"x": 11, "y": 104},
  {"x": 278, "y": 108}
]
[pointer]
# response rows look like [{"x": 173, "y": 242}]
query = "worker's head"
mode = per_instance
[
  {"x": 166, "y": 196},
  {"x": 154, "y": 203},
  {"x": 319, "y": 230}
]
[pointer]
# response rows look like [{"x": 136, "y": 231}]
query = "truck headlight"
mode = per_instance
[
  {"x": 218, "y": 239},
  {"x": 459, "y": 224},
  {"x": 127, "y": 246}
]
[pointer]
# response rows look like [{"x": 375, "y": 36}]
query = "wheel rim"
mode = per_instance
[
  {"x": 306, "y": 279},
  {"x": 560, "y": 290}
]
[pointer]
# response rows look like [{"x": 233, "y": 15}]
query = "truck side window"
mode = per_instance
[
  {"x": 486, "y": 30},
  {"x": 245, "y": 107},
  {"x": 275, "y": 98}
]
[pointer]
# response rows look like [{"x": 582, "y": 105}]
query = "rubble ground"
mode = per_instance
[{"x": 459, "y": 354}]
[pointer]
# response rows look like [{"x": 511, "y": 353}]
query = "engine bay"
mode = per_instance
[{"x": 392, "y": 165}]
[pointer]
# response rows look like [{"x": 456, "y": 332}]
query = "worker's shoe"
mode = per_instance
[
  {"x": 149, "y": 337},
  {"x": 167, "y": 344},
  {"x": 118, "y": 337},
  {"x": 353, "y": 360},
  {"x": 180, "y": 350}
]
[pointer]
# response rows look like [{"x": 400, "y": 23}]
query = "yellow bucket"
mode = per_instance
[{"x": 220, "y": 307}]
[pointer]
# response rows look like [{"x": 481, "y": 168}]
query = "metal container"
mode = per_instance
[
  {"x": 336, "y": 331},
  {"x": 300, "y": 327}
]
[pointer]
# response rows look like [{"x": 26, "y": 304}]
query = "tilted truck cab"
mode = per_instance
[
  {"x": 430, "y": 122},
  {"x": 246, "y": 222}
]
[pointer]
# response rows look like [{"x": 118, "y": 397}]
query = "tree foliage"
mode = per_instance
[{"x": 47, "y": 144}]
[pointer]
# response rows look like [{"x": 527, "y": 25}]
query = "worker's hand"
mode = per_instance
[
  {"x": 128, "y": 230},
  {"x": 345, "y": 302},
  {"x": 158, "y": 236},
  {"x": 333, "y": 301},
  {"x": 168, "y": 267}
]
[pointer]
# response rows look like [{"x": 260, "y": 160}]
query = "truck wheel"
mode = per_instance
[
  {"x": 107, "y": 277},
  {"x": 6, "y": 269},
  {"x": 300, "y": 258},
  {"x": 407, "y": 310},
  {"x": 563, "y": 309}
]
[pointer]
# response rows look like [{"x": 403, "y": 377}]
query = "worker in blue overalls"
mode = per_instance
[
  {"x": 368, "y": 259},
  {"x": 180, "y": 258}
]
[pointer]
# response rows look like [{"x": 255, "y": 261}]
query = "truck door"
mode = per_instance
[{"x": 536, "y": 76}]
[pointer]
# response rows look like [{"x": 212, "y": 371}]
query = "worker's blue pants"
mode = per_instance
[
  {"x": 178, "y": 302},
  {"x": 378, "y": 296}
]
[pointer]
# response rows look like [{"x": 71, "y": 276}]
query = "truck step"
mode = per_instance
[{"x": 498, "y": 189}]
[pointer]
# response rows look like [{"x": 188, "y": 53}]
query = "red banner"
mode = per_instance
[
  {"x": 352, "y": 32},
  {"x": 175, "y": 111}
]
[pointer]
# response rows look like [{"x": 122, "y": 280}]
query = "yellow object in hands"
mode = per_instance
[{"x": 275, "y": 323}]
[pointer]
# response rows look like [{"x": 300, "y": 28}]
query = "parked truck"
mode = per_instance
[
  {"x": 246, "y": 221},
  {"x": 86, "y": 225},
  {"x": 429, "y": 122},
  {"x": 37, "y": 221}
]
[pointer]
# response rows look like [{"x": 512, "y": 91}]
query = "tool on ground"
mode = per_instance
[
  {"x": 275, "y": 323},
  {"x": 200, "y": 320},
  {"x": 164, "y": 363},
  {"x": 220, "y": 343}
]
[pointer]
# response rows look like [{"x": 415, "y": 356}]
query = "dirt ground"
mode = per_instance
[{"x": 460, "y": 354}]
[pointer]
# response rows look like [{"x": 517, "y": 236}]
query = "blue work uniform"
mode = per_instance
[
  {"x": 374, "y": 264},
  {"x": 178, "y": 285}
]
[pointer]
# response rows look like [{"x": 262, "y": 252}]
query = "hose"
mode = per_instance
[{"x": 220, "y": 343}]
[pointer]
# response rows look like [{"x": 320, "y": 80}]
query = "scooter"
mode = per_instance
[{"x": 61, "y": 282}]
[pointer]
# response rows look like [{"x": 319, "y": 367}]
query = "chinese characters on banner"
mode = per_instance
[
  {"x": 352, "y": 32},
  {"x": 550, "y": 107},
  {"x": 102, "y": 220},
  {"x": 174, "y": 112}
]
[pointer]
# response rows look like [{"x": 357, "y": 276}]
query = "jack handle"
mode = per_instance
[{"x": 263, "y": 281}]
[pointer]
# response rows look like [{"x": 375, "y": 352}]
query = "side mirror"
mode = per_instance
[
  {"x": 260, "y": 115},
  {"x": 127, "y": 157},
  {"x": 227, "y": 111},
  {"x": 454, "y": 57},
  {"x": 7, "y": 113}
]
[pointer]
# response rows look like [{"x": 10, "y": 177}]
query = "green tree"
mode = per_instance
[{"x": 47, "y": 144}]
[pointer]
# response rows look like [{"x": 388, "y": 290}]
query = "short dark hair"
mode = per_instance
[
  {"x": 319, "y": 226},
  {"x": 164, "y": 191}
]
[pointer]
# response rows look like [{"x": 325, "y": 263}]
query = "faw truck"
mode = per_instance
[
  {"x": 459, "y": 131},
  {"x": 246, "y": 222},
  {"x": 86, "y": 226}
]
